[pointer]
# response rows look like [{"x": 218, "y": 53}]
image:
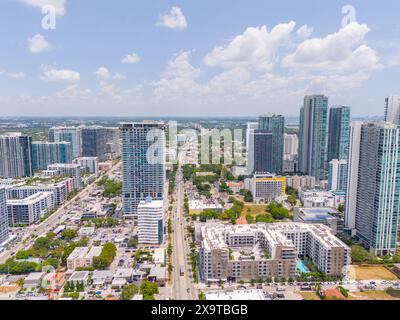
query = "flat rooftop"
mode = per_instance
[
  {"x": 31, "y": 199},
  {"x": 79, "y": 276},
  {"x": 78, "y": 252},
  {"x": 236, "y": 295},
  {"x": 35, "y": 276},
  {"x": 317, "y": 214}
]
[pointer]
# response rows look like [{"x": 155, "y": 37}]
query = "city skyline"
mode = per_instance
[
  {"x": 161, "y": 59},
  {"x": 186, "y": 150}
]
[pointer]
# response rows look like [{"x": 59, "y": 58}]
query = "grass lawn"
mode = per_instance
[
  {"x": 394, "y": 293},
  {"x": 254, "y": 209},
  {"x": 371, "y": 273},
  {"x": 192, "y": 212},
  {"x": 371, "y": 295},
  {"x": 310, "y": 296}
]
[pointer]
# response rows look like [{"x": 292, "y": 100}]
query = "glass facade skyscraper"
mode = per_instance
[
  {"x": 68, "y": 134},
  {"x": 46, "y": 153},
  {"x": 143, "y": 163},
  {"x": 372, "y": 207},
  {"x": 275, "y": 125},
  {"x": 392, "y": 109},
  {"x": 313, "y": 136},
  {"x": 15, "y": 156},
  {"x": 251, "y": 126},
  {"x": 94, "y": 142},
  {"x": 3, "y": 216},
  {"x": 338, "y": 135},
  {"x": 263, "y": 141},
  {"x": 337, "y": 175}
]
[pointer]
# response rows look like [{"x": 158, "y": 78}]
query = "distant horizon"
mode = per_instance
[{"x": 163, "y": 117}]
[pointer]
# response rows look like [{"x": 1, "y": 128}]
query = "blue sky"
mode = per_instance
[{"x": 195, "y": 58}]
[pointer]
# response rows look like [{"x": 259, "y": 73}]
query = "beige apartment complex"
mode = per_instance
[
  {"x": 82, "y": 257},
  {"x": 246, "y": 252}
]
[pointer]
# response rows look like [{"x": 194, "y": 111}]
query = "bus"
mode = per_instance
[{"x": 182, "y": 269}]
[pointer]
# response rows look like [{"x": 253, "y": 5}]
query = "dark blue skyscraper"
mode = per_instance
[
  {"x": 263, "y": 141},
  {"x": 94, "y": 142},
  {"x": 275, "y": 126},
  {"x": 313, "y": 136},
  {"x": 339, "y": 130}
]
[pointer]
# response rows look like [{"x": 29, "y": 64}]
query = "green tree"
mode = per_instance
[
  {"x": 264, "y": 218},
  {"x": 169, "y": 249},
  {"x": 133, "y": 242},
  {"x": 128, "y": 292},
  {"x": 231, "y": 199},
  {"x": 106, "y": 257},
  {"x": 277, "y": 211},
  {"x": 360, "y": 255},
  {"x": 250, "y": 219},
  {"x": 148, "y": 289},
  {"x": 51, "y": 262},
  {"x": 202, "y": 295},
  {"x": 22, "y": 255},
  {"x": 69, "y": 234},
  {"x": 292, "y": 200},
  {"x": 248, "y": 196},
  {"x": 111, "y": 188}
]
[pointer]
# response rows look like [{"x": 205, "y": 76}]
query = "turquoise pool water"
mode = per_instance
[{"x": 301, "y": 267}]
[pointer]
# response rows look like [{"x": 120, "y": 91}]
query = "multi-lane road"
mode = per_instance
[
  {"x": 34, "y": 231},
  {"x": 183, "y": 287}
]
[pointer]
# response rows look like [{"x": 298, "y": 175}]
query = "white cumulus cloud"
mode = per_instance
[
  {"x": 174, "y": 20},
  {"x": 51, "y": 75},
  {"x": 337, "y": 53},
  {"x": 179, "y": 78},
  {"x": 305, "y": 31},
  {"x": 131, "y": 59},
  {"x": 74, "y": 92},
  {"x": 16, "y": 75},
  {"x": 59, "y": 5},
  {"x": 12, "y": 75},
  {"x": 38, "y": 44},
  {"x": 256, "y": 47},
  {"x": 180, "y": 67},
  {"x": 103, "y": 73},
  {"x": 119, "y": 76}
]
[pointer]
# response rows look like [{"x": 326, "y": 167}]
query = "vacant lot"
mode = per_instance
[
  {"x": 310, "y": 296},
  {"x": 371, "y": 273},
  {"x": 371, "y": 295},
  {"x": 254, "y": 209}
]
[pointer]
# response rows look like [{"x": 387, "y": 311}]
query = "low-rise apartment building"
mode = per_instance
[
  {"x": 321, "y": 198},
  {"x": 245, "y": 252},
  {"x": 297, "y": 182},
  {"x": 151, "y": 222},
  {"x": 29, "y": 210},
  {"x": 266, "y": 187},
  {"x": 89, "y": 164},
  {"x": 327, "y": 216},
  {"x": 60, "y": 187},
  {"x": 71, "y": 170},
  {"x": 82, "y": 257}
]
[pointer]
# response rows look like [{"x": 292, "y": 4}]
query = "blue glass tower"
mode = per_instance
[
  {"x": 313, "y": 136},
  {"x": 339, "y": 130},
  {"x": 143, "y": 163}
]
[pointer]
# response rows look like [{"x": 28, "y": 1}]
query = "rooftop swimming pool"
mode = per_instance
[{"x": 301, "y": 267}]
